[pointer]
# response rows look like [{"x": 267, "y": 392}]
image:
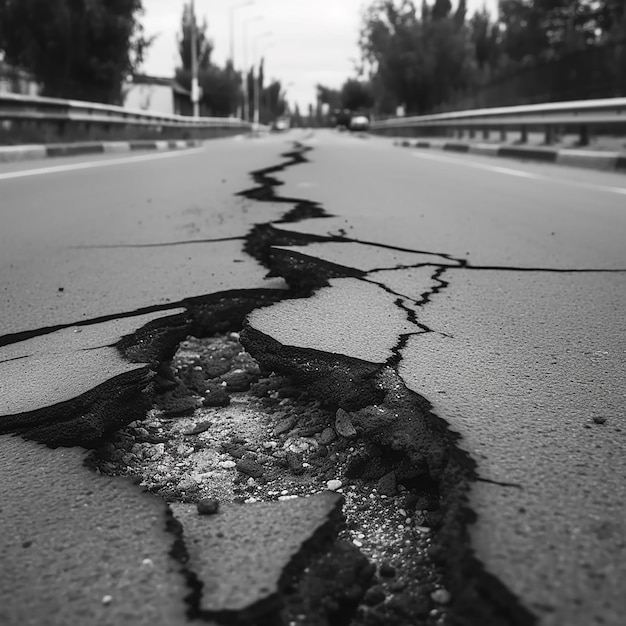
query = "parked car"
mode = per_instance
[
  {"x": 359, "y": 122},
  {"x": 280, "y": 125}
]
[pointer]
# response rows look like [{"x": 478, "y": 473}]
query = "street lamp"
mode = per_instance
[
  {"x": 195, "y": 91},
  {"x": 246, "y": 104},
  {"x": 257, "y": 79},
  {"x": 231, "y": 12}
]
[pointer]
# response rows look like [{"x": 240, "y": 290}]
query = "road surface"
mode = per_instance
[{"x": 494, "y": 288}]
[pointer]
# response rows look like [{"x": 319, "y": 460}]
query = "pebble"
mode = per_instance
[
  {"x": 334, "y": 484},
  {"x": 179, "y": 406},
  {"x": 107, "y": 599},
  {"x": 343, "y": 425},
  {"x": 294, "y": 461},
  {"x": 440, "y": 596},
  {"x": 284, "y": 426},
  {"x": 327, "y": 436},
  {"x": 227, "y": 464},
  {"x": 216, "y": 397},
  {"x": 386, "y": 485},
  {"x": 198, "y": 428},
  {"x": 599, "y": 419},
  {"x": 250, "y": 468},
  {"x": 208, "y": 506},
  {"x": 237, "y": 380},
  {"x": 235, "y": 450}
]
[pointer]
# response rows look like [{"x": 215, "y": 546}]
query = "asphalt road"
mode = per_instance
[{"x": 497, "y": 288}]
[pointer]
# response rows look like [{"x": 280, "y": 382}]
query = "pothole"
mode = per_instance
[{"x": 224, "y": 430}]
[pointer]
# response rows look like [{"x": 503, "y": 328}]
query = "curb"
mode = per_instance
[
  {"x": 594, "y": 159},
  {"x": 40, "y": 151}
]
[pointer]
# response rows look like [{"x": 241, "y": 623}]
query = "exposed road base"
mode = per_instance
[{"x": 255, "y": 437}]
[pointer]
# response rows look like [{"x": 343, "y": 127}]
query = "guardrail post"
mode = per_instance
[
  {"x": 472, "y": 132},
  {"x": 584, "y": 135},
  {"x": 523, "y": 135},
  {"x": 549, "y": 136},
  {"x": 485, "y": 133},
  {"x": 503, "y": 135}
]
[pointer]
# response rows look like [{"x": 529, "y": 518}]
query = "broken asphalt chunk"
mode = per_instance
[
  {"x": 245, "y": 554},
  {"x": 80, "y": 548},
  {"x": 343, "y": 425}
]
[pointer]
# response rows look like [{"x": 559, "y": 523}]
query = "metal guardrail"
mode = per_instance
[
  {"x": 584, "y": 115},
  {"x": 62, "y": 118}
]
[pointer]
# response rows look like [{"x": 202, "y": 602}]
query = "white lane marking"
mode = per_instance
[
  {"x": 54, "y": 169},
  {"x": 519, "y": 173}
]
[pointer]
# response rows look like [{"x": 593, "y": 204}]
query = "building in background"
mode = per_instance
[
  {"x": 14, "y": 80},
  {"x": 155, "y": 94}
]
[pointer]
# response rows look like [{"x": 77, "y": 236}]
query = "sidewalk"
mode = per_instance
[
  {"x": 40, "y": 151},
  {"x": 607, "y": 154}
]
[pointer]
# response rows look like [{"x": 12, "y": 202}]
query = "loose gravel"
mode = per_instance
[{"x": 223, "y": 431}]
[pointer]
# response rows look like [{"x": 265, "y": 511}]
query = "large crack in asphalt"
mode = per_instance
[
  {"x": 424, "y": 439},
  {"x": 398, "y": 425}
]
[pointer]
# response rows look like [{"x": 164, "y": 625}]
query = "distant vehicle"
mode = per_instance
[
  {"x": 342, "y": 118},
  {"x": 280, "y": 125},
  {"x": 359, "y": 122}
]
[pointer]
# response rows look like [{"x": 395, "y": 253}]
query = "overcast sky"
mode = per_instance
[{"x": 311, "y": 41}]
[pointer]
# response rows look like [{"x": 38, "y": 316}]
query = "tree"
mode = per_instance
[
  {"x": 275, "y": 104},
  {"x": 484, "y": 38},
  {"x": 328, "y": 96},
  {"x": 461, "y": 12},
  {"x": 545, "y": 29},
  {"x": 82, "y": 49},
  {"x": 419, "y": 62},
  {"x": 221, "y": 87},
  {"x": 441, "y": 9},
  {"x": 356, "y": 95},
  {"x": 204, "y": 46}
]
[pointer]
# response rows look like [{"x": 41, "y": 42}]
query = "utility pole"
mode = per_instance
[
  {"x": 195, "y": 90},
  {"x": 231, "y": 25},
  {"x": 257, "y": 95},
  {"x": 257, "y": 80},
  {"x": 246, "y": 96}
]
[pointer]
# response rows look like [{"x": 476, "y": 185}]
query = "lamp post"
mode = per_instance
[
  {"x": 257, "y": 81},
  {"x": 231, "y": 24},
  {"x": 246, "y": 104},
  {"x": 195, "y": 91}
]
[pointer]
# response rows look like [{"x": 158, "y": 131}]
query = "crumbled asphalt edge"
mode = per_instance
[
  {"x": 266, "y": 612},
  {"x": 86, "y": 419},
  {"x": 478, "y": 598},
  {"x": 180, "y": 554}
]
